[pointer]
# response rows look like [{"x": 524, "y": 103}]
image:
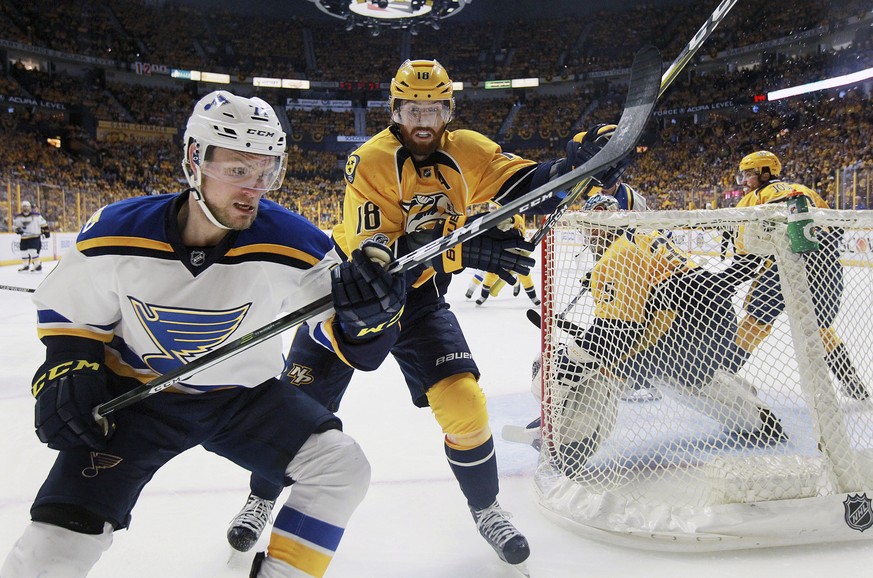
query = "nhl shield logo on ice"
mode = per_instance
[{"x": 859, "y": 513}]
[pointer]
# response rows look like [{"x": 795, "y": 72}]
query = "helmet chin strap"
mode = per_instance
[{"x": 198, "y": 196}]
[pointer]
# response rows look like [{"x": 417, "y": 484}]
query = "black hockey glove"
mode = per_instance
[
  {"x": 19, "y": 231},
  {"x": 45, "y": 232},
  {"x": 66, "y": 391},
  {"x": 501, "y": 250},
  {"x": 367, "y": 299},
  {"x": 585, "y": 145}
]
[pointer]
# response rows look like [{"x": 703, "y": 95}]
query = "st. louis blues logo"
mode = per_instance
[
  {"x": 184, "y": 334},
  {"x": 858, "y": 512}
]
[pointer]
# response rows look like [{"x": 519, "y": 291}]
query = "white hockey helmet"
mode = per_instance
[
  {"x": 25, "y": 205},
  {"x": 246, "y": 125}
]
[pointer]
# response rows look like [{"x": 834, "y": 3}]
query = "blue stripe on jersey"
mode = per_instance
[
  {"x": 276, "y": 224},
  {"x": 140, "y": 221},
  {"x": 310, "y": 529},
  {"x": 52, "y": 316},
  {"x": 127, "y": 354}
]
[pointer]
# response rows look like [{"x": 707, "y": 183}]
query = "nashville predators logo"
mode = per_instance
[
  {"x": 299, "y": 375},
  {"x": 351, "y": 167},
  {"x": 423, "y": 210},
  {"x": 182, "y": 335}
]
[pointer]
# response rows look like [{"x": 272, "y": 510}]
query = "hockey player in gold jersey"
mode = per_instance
[
  {"x": 409, "y": 184},
  {"x": 660, "y": 318},
  {"x": 492, "y": 284},
  {"x": 759, "y": 174}
]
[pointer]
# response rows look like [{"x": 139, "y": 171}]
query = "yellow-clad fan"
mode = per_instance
[{"x": 760, "y": 176}]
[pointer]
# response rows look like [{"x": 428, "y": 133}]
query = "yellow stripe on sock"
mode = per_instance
[{"x": 298, "y": 555}]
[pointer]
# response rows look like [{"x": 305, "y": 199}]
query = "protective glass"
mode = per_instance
[
  {"x": 746, "y": 174},
  {"x": 426, "y": 113},
  {"x": 247, "y": 170}
]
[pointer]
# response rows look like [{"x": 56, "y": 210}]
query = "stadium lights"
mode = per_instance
[
  {"x": 821, "y": 84},
  {"x": 396, "y": 14}
]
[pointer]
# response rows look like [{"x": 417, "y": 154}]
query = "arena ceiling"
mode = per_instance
[{"x": 475, "y": 10}]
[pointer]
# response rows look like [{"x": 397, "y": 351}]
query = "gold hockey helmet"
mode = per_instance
[
  {"x": 760, "y": 160},
  {"x": 421, "y": 80}
]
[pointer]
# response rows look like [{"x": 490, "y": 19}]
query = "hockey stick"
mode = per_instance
[
  {"x": 642, "y": 94},
  {"x": 14, "y": 288},
  {"x": 678, "y": 65}
]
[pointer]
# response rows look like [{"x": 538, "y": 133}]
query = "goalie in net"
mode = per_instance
[
  {"x": 658, "y": 318},
  {"x": 742, "y": 431}
]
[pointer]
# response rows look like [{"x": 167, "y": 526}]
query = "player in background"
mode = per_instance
[
  {"x": 475, "y": 284},
  {"x": 657, "y": 317},
  {"x": 492, "y": 284},
  {"x": 410, "y": 183},
  {"x": 32, "y": 227},
  {"x": 151, "y": 283},
  {"x": 759, "y": 174}
]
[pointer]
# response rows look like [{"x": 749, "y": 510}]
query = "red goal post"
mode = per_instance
[{"x": 668, "y": 452}]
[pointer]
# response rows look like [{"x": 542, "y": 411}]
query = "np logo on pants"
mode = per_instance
[{"x": 859, "y": 513}]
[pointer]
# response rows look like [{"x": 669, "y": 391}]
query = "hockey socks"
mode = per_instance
[{"x": 476, "y": 472}]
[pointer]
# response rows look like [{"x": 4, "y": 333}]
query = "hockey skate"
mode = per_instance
[
  {"x": 24, "y": 268},
  {"x": 769, "y": 433},
  {"x": 494, "y": 526},
  {"x": 246, "y": 527},
  {"x": 637, "y": 391},
  {"x": 37, "y": 268},
  {"x": 853, "y": 387}
]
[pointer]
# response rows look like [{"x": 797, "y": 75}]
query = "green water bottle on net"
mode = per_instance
[{"x": 801, "y": 228}]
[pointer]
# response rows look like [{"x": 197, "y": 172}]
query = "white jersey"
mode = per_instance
[
  {"x": 30, "y": 225},
  {"x": 131, "y": 283}
]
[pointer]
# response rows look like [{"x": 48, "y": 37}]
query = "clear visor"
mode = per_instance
[
  {"x": 426, "y": 113},
  {"x": 746, "y": 174},
  {"x": 247, "y": 170}
]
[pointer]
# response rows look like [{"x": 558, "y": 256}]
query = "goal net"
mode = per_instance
[{"x": 704, "y": 386}]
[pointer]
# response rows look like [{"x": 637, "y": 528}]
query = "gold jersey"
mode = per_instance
[
  {"x": 778, "y": 191},
  {"x": 774, "y": 192},
  {"x": 389, "y": 194},
  {"x": 623, "y": 278}
]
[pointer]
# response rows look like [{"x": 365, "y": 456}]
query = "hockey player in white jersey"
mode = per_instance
[
  {"x": 32, "y": 227},
  {"x": 154, "y": 282}
]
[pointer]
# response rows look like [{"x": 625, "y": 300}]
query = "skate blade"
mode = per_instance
[
  {"x": 521, "y": 568},
  {"x": 237, "y": 559}
]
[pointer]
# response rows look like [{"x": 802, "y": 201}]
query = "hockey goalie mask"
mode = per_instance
[{"x": 599, "y": 238}]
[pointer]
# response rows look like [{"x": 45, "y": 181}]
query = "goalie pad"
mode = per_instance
[
  {"x": 584, "y": 405},
  {"x": 732, "y": 401}
]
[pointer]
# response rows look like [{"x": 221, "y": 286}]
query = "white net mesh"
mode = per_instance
[{"x": 707, "y": 372}]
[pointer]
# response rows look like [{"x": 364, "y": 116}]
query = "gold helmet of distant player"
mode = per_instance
[
  {"x": 421, "y": 80},
  {"x": 760, "y": 161}
]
